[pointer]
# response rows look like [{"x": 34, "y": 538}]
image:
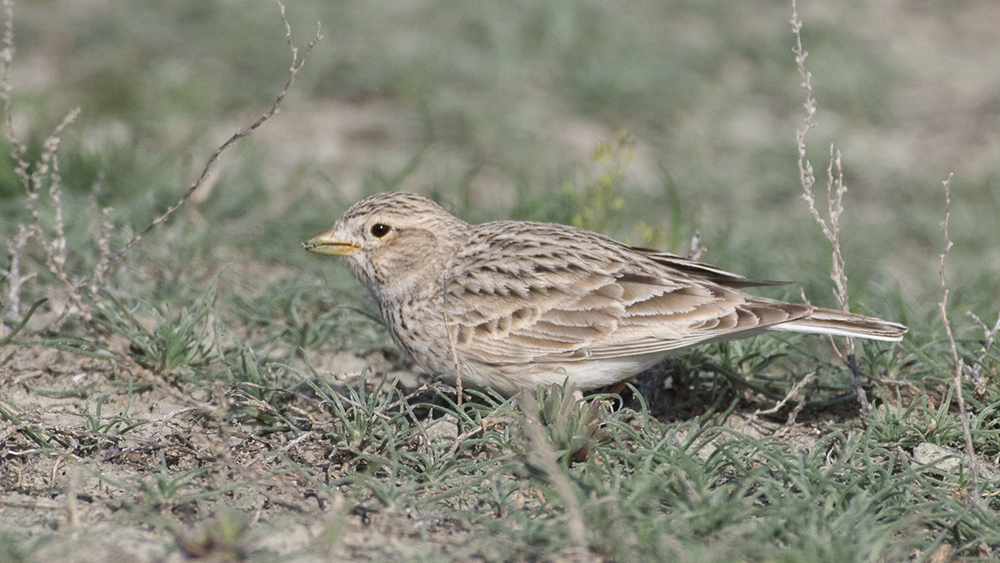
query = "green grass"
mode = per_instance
[{"x": 220, "y": 396}]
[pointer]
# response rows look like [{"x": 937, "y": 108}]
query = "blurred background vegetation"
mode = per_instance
[{"x": 499, "y": 110}]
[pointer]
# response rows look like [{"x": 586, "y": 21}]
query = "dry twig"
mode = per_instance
[
  {"x": 970, "y": 451},
  {"x": 695, "y": 249},
  {"x": 835, "y": 190},
  {"x": 297, "y": 63},
  {"x": 15, "y": 280},
  {"x": 46, "y": 173},
  {"x": 792, "y": 393},
  {"x": 979, "y": 382}
]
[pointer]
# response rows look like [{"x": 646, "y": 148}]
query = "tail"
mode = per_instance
[{"x": 839, "y": 323}]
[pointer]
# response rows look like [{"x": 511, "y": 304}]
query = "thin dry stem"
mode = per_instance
[
  {"x": 979, "y": 381},
  {"x": 835, "y": 188},
  {"x": 15, "y": 280},
  {"x": 788, "y": 396},
  {"x": 970, "y": 451},
  {"x": 55, "y": 251},
  {"x": 101, "y": 226},
  {"x": 17, "y": 149},
  {"x": 72, "y": 506},
  {"x": 806, "y": 175},
  {"x": 47, "y": 172},
  {"x": 793, "y": 415},
  {"x": 58, "y": 255},
  {"x": 297, "y": 63},
  {"x": 835, "y": 191}
]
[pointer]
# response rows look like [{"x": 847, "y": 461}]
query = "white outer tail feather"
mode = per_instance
[{"x": 838, "y": 323}]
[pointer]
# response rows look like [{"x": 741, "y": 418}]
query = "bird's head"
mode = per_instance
[{"x": 395, "y": 243}]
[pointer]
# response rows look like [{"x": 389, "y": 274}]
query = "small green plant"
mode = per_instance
[
  {"x": 299, "y": 316},
  {"x": 599, "y": 201},
  {"x": 894, "y": 425},
  {"x": 365, "y": 421},
  {"x": 223, "y": 538},
  {"x": 392, "y": 489},
  {"x": 171, "y": 343},
  {"x": 573, "y": 427},
  {"x": 309, "y": 334},
  {"x": 164, "y": 491},
  {"x": 260, "y": 392},
  {"x": 105, "y": 432}
]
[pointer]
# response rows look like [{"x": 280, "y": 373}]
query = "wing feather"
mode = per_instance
[{"x": 560, "y": 301}]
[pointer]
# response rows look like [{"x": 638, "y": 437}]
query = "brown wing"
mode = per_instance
[{"x": 573, "y": 295}]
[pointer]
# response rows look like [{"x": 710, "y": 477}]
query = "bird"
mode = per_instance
[{"x": 514, "y": 305}]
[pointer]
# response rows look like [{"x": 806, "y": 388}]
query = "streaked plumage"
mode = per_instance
[{"x": 534, "y": 303}]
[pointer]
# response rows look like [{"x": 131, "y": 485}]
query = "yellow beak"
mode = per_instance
[{"x": 327, "y": 243}]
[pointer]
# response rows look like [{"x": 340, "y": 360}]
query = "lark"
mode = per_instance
[{"x": 517, "y": 304}]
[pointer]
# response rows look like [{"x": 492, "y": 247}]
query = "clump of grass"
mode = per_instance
[
  {"x": 573, "y": 427},
  {"x": 172, "y": 343},
  {"x": 164, "y": 490},
  {"x": 223, "y": 538},
  {"x": 106, "y": 432},
  {"x": 365, "y": 423}
]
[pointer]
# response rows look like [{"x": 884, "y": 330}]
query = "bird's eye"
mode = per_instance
[{"x": 379, "y": 230}]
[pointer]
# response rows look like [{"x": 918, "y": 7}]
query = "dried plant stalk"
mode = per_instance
[
  {"x": 970, "y": 451},
  {"x": 979, "y": 381},
  {"x": 15, "y": 249},
  {"x": 46, "y": 179},
  {"x": 296, "y": 66},
  {"x": 835, "y": 191}
]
